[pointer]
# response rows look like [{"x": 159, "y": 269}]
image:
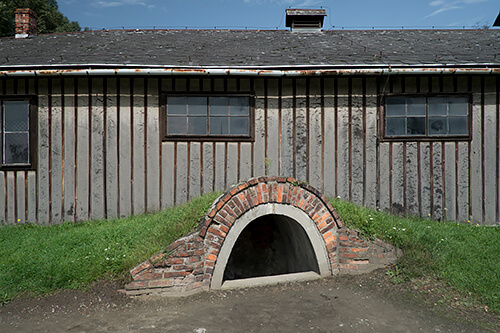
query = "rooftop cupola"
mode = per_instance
[{"x": 307, "y": 20}]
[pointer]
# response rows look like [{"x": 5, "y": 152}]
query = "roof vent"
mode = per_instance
[
  {"x": 26, "y": 20},
  {"x": 308, "y": 20}
]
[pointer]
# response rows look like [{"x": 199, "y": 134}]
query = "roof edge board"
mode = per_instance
[{"x": 248, "y": 72}]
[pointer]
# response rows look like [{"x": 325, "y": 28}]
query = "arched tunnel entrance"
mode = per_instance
[{"x": 271, "y": 245}]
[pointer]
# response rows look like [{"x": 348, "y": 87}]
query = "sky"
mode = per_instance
[{"x": 269, "y": 14}]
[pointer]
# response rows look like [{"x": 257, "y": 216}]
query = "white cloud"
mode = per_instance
[
  {"x": 118, "y": 3},
  {"x": 446, "y": 5}
]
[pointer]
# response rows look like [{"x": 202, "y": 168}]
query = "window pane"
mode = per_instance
[
  {"x": 219, "y": 105},
  {"x": 239, "y": 125},
  {"x": 395, "y": 107},
  {"x": 437, "y": 125},
  {"x": 197, "y": 125},
  {"x": 176, "y": 105},
  {"x": 416, "y": 106},
  {"x": 438, "y": 106},
  {"x": 16, "y": 116},
  {"x": 459, "y": 106},
  {"x": 176, "y": 125},
  {"x": 395, "y": 126},
  {"x": 415, "y": 126},
  {"x": 197, "y": 105},
  {"x": 16, "y": 148},
  {"x": 219, "y": 125},
  {"x": 239, "y": 106},
  {"x": 458, "y": 125}
]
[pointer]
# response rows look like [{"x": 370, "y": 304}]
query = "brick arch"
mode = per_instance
[
  {"x": 246, "y": 196},
  {"x": 188, "y": 264}
]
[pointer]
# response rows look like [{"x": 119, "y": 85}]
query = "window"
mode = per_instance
[
  {"x": 15, "y": 135},
  {"x": 426, "y": 116},
  {"x": 209, "y": 117}
]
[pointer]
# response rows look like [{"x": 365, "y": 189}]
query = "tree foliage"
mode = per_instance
[{"x": 50, "y": 19}]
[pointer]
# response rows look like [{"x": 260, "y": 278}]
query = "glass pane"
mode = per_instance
[
  {"x": 176, "y": 125},
  {"x": 438, "y": 106},
  {"x": 416, "y": 106},
  {"x": 219, "y": 125},
  {"x": 16, "y": 116},
  {"x": 239, "y": 125},
  {"x": 239, "y": 106},
  {"x": 197, "y": 125},
  {"x": 219, "y": 106},
  {"x": 415, "y": 126},
  {"x": 437, "y": 125},
  {"x": 197, "y": 105},
  {"x": 394, "y": 106},
  {"x": 458, "y": 106},
  {"x": 176, "y": 105},
  {"x": 458, "y": 125},
  {"x": 395, "y": 126},
  {"x": 16, "y": 148}
]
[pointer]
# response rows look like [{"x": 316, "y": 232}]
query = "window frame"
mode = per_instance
[
  {"x": 426, "y": 137},
  {"x": 32, "y": 132},
  {"x": 207, "y": 137}
]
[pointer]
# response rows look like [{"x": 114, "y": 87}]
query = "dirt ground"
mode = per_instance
[{"x": 363, "y": 303}]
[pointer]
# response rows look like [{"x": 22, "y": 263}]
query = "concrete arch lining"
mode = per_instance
[{"x": 294, "y": 213}]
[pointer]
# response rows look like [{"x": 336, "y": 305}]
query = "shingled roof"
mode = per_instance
[{"x": 255, "y": 48}]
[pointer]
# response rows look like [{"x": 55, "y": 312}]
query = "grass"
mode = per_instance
[
  {"x": 42, "y": 259},
  {"x": 466, "y": 257}
]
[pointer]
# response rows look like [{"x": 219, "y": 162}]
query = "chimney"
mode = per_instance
[
  {"x": 25, "y": 23},
  {"x": 305, "y": 20}
]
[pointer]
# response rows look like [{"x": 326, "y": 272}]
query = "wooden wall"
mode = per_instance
[{"x": 100, "y": 153}]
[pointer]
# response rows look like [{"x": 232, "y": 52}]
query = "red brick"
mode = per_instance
[
  {"x": 328, "y": 234},
  {"x": 174, "y": 274},
  {"x": 145, "y": 265},
  {"x": 174, "y": 261},
  {"x": 209, "y": 263},
  {"x": 224, "y": 229},
  {"x": 349, "y": 255},
  {"x": 252, "y": 181},
  {"x": 280, "y": 193},
  {"x": 149, "y": 276},
  {"x": 217, "y": 232},
  {"x": 354, "y": 249},
  {"x": 259, "y": 194},
  {"x": 211, "y": 257},
  {"x": 342, "y": 237},
  {"x": 136, "y": 285},
  {"x": 330, "y": 239},
  {"x": 160, "y": 283},
  {"x": 194, "y": 259}
]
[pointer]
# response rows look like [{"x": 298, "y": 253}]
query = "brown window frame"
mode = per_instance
[
  {"x": 208, "y": 137},
  {"x": 427, "y": 137},
  {"x": 32, "y": 132}
]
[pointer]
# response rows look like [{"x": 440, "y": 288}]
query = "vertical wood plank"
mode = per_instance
[
  {"x": 56, "y": 153},
  {"x": 153, "y": 145},
  {"x": 181, "y": 182},
  {"x": 425, "y": 179},
  {"x": 315, "y": 135},
  {"x": 397, "y": 178},
  {"x": 259, "y": 149},
  {"x": 412, "y": 178},
  {"x": 490, "y": 146},
  {"x": 21, "y": 197},
  {"x": 43, "y": 152},
  {"x": 301, "y": 129},
  {"x": 286, "y": 162},
  {"x": 167, "y": 175},
  {"x": 357, "y": 140},
  {"x": 69, "y": 138},
  {"x": 245, "y": 161},
  {"x": 450, "y": 182},
  {"x": 437, "y": 174},
  {"x": 31, "y": 192},
  {"x": 220, "y": 170},
  {"x": 97, "y": 197},
  {"x": 194, "y": 170},
  {"x": 11, "y": 198},
  {"x": 208, "y": 167},
  {"x": 232, "y": 164},
  {"x": 384, "y": 177},
  {"x": 463, "y": 181},
  {"x": 272, "y": 127},
  {"x": 343, "y": 140},
  {"x": 125, "y": 148},
  {"x": 372, "y": 135},
  {"x": 476, "y": 158},
  {"x": 3, "y": 198},
  {"x": 111, "y": 123},
  {"x": 139, "y": 158}
]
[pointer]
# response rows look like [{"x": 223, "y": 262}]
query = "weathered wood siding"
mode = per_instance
[{"x": 100, "y": 153}]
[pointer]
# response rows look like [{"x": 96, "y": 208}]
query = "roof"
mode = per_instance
[{"x": 272, "y": 49}]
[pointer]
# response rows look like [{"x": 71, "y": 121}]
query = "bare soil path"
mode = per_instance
[{"x": 365, "y": 303}]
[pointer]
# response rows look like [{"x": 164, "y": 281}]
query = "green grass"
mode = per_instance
[
  {"x": 466, "y": 257},
  {"x": 41, "y": 259}
]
